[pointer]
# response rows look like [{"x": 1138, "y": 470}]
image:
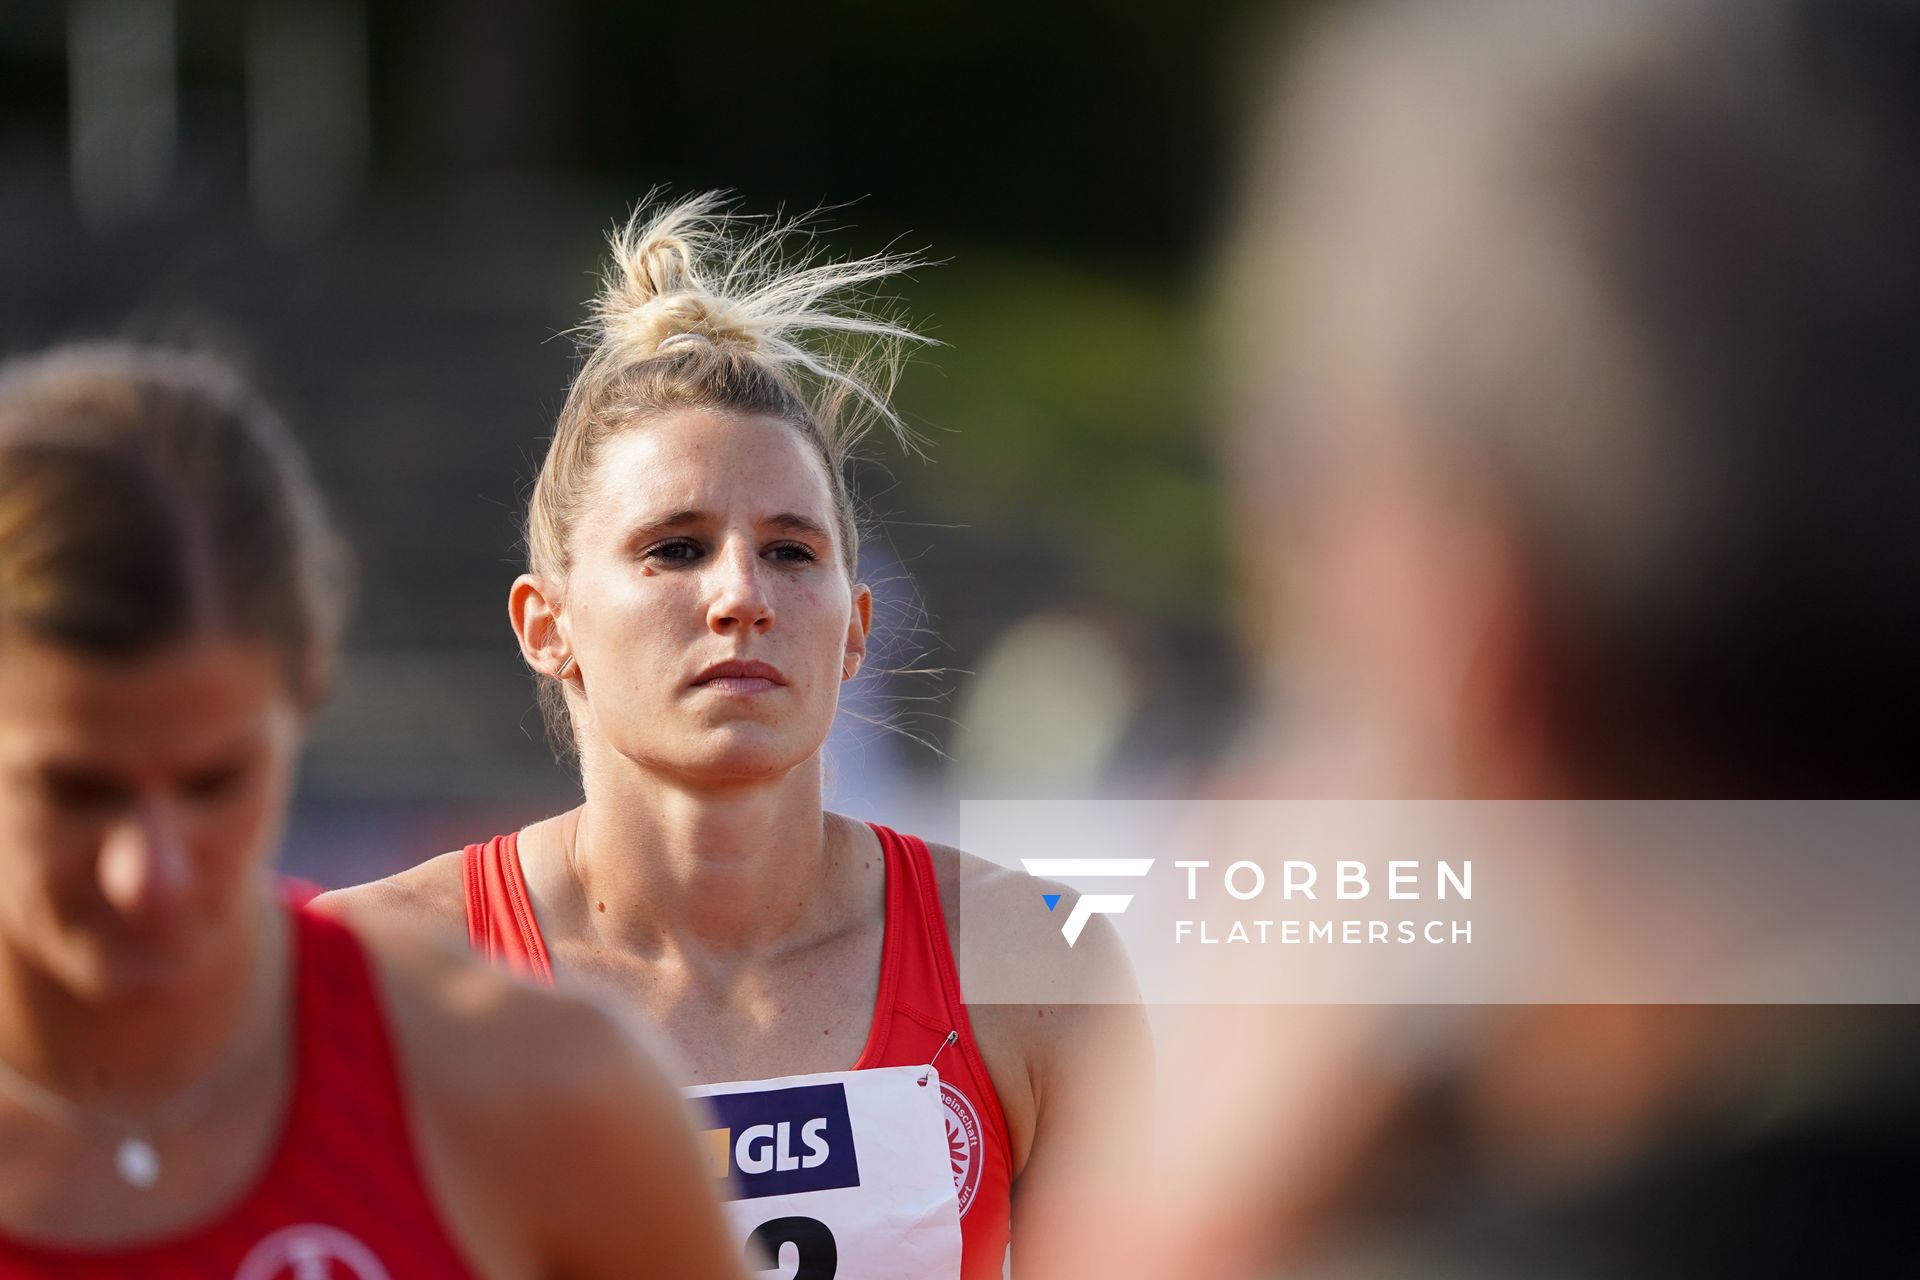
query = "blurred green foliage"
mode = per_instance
[{"x": 1065, "y": 410}]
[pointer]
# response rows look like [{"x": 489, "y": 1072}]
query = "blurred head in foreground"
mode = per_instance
[
  {"x": 1576, "y": 366},
  {"x": 1576, "y": 443},
  {"x": 170, "y": 597}
]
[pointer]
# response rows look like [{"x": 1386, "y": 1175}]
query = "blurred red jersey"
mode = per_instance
[
  {"x": 342, "y": 1196},
  {"x": 918, "y": 1006}
]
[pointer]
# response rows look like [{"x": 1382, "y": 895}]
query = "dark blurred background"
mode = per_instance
[{"x": 393, "y": 213}]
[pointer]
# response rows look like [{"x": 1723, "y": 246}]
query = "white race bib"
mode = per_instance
[{"x": 839, "y": 1176}]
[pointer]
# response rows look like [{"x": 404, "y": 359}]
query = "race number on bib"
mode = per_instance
[{"x": 840, "y": 1176}]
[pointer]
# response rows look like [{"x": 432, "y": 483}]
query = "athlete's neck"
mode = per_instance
[
  {"x": 127, "y": 1048},
  {"x": 656, "y": 863}
]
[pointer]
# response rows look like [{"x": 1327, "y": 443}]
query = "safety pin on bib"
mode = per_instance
[{"x": 951, "y": 1037}]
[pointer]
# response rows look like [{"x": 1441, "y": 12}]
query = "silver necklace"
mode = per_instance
[{"x": 135, "y": 1158}]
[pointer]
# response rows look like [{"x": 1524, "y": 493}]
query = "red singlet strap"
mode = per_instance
[{"x": 500, "y": 920}]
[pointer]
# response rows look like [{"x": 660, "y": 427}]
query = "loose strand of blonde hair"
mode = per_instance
[{"x": 697, "y": 268}]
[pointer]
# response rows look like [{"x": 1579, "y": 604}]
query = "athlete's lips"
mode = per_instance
[{"x": 735, "y": 676}]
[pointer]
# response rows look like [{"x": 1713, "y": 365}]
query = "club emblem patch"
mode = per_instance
[
  {"x": 310, "y": 1252},
  {"x": 964, "y": 1147}
]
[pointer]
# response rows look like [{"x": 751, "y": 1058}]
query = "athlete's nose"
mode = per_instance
[
  {"x": 144, "y": 865},
  {"x": 739, "y": 600}
]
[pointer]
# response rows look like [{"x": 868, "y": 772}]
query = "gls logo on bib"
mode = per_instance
[
  {"x": 781, "y": 1141},
  {"x": 842, "y": 1175}
]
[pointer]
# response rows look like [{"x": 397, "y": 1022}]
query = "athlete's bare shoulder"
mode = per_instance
[
  {"x": 554, "y": 1135},
  {"x": 432, "y": 894},
  {"x": 1041, "y": 1010},
  {"x": 1005, "y": 908},
  {"x": 1070, "y": 1017},
  {"x": 494, "y": 1042}
]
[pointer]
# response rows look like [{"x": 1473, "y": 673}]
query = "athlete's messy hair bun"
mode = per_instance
[
  {"x": 705, "y": 308},
  {"x": 759, "y": 288}
]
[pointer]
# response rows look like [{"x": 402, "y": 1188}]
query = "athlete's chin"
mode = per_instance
[
  {"x": 738, "y": 755},
  {"x": 117, "y": 970}
]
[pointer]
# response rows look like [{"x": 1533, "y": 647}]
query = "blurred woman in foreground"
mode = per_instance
[{"x": 195, "y": 1079}]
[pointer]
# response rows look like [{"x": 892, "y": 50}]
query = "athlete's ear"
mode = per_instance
[
  {"x": 535, "y": 614},
  {"x": 859, "y": 627}
]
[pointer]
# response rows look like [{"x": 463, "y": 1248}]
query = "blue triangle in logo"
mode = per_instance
[{"x": 1051, "y": 899}]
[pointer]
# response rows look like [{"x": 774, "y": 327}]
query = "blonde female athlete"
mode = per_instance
[
  {"x": 692, "y": 606},
  {"x": 196, "y": 1080}
]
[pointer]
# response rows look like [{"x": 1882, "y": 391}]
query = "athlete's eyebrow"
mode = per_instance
[
  {"x": 679, "y": 521},
  {"x": 789, "y": 522},
  {"x": 689, "y": 518}
]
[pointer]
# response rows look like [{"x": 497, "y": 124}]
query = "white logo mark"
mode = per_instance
[{"x": 1088, "y": 905}]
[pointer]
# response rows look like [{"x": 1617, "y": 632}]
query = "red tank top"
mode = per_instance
[
  {"x": 918, "y": 1005},
  {"x": 342, "y": 1193}
]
